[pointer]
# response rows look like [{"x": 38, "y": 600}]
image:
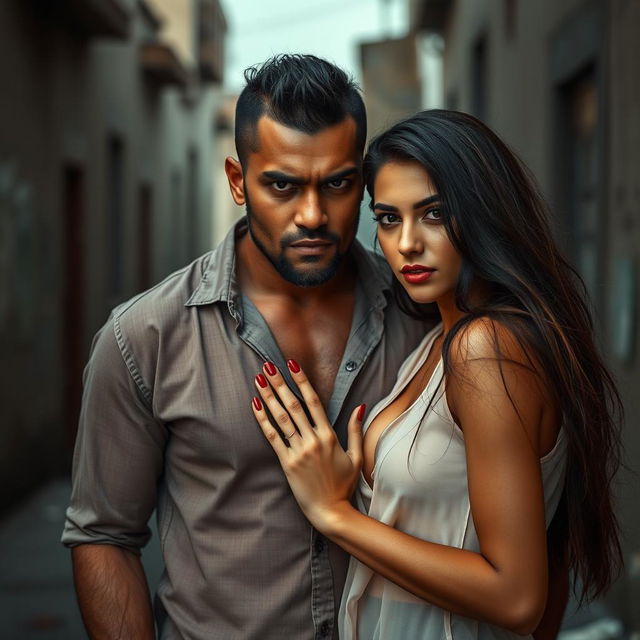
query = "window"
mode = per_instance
[{"x": 580, "y": 187}]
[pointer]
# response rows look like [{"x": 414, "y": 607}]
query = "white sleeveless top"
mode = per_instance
[{"x": 420, "y": 487}]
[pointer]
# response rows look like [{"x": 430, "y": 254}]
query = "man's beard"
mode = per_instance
[{"x": 306, "y": 278}]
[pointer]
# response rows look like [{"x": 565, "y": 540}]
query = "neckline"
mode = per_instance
[{"x": 426, "y": 346}]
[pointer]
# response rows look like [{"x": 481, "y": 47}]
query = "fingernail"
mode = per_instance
[
  {"x": 261, "y": 380},
  {"x": 257, "y": 404},
  {"x": 270, "y": 368},
  {"x": 293, "y": 366},
  {"x": 361, "y": 411}
]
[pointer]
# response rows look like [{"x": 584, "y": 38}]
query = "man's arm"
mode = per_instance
[
  {"x": 112, "y": 592},
  {"x": 118, "y": 459}
]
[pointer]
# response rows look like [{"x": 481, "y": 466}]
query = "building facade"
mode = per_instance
[
  {"x": 558, "y": 80},
  {"x": 107, "y": 139}
]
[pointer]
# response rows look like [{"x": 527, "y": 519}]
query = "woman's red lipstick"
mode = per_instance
[{"x": 416, "y": 273}]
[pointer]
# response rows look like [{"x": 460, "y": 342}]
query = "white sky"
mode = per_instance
[{"x": 331, "y": 29}]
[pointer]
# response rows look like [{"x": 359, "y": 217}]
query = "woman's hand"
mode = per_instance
[{"x": 321, "y": 474}]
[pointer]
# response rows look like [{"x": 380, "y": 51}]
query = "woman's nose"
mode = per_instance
[{"x": 411, "y": 241}]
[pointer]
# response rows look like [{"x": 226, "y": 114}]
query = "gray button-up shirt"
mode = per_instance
[{"x": 166, "y": 421}]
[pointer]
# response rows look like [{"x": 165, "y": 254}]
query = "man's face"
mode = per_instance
[{"x": 302, "y": 193}]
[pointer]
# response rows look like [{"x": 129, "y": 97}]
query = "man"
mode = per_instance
[{"x": 166, "y": 417}]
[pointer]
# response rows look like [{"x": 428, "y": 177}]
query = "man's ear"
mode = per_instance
[{"x": 233, "y": 169}]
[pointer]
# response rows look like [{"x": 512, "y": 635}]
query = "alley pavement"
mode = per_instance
[{"x": 37, "y": 600}]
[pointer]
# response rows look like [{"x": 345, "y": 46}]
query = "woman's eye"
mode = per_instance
[
  {"x": 433, "y": 214},
  {"x": 386, "y": 219}
]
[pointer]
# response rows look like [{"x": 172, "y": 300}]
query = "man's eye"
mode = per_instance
[
  {"x": 281, "y": 185},
  {"x": 338, "y": 184}
]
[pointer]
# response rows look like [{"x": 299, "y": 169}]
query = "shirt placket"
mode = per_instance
[{"x": 365, "y": 334}]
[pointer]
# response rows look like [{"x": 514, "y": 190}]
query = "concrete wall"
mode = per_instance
[
  {"x": 529, "y": 64},
  {"x": 66, "y": 98},
  {"x": 623, "y": 260}
]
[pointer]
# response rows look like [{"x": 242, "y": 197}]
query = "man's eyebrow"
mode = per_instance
[
  {"x": 279, "y": 176},
  {"x": 389, "y": 207},
  {"x": 345, "y": 173}
]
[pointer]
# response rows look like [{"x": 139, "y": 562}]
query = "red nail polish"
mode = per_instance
[
  {"x": 261, "y": 380},
  {"x": 361, "y": 411},
  {"x": 293, "y": 366},
  {"x": 270, "y": 368},
  {"x": 257, "y": 404}
]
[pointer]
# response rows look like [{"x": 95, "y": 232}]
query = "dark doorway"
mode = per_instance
[
  {"x": 193, "y": 214},
  {"x": 479, "y": 78},
  {"x": 145, "y": 236},
  {"x": 115, "y": 212},
  {"x": 73, "y": 299}
]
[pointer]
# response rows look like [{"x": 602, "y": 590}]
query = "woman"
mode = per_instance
[{"x": 500, "y": 422}]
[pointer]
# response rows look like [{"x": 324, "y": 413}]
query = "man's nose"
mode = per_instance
[{"x": 310, "y": 213}]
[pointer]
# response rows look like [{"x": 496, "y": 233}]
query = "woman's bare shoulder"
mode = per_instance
[
  {"x": 489, "y": 338},
  {"x": 489, "y": 357}
]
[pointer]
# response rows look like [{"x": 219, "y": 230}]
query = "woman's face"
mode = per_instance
[{"x": 411, "y": 233}]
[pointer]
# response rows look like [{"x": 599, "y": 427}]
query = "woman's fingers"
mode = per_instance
[
  {"x": 278, "y": 412},
  {"x": 287, "y": 398},
  {"x": 354, "y": 435},
  {"x": 311, "y": 398},
  {"x": 270, "y": 432}
]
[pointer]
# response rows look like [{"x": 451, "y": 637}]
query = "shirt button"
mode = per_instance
[
  {"x": 319, "y": 546},
  {"x": 324, "y": 629},
  {"x": 351, "y": 366}
]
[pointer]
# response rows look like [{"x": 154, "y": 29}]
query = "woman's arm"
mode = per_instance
[
  {"x": 506, "y": 583},
  {"x": 557, "y": 598}
]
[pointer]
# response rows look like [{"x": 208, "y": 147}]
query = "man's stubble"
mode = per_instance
[{"x": 308, "y": 278}]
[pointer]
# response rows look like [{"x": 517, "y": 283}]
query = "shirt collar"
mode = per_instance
[{"x": 219, "y": 282}]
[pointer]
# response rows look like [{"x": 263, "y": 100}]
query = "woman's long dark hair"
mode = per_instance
[{"x": 498, "y": 221}]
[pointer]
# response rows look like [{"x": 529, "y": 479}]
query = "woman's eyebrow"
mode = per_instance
[
  {"x": 389, "y": 207},
  {"x": 434, "y": 198},
  {"x": 385, "y": 207}
]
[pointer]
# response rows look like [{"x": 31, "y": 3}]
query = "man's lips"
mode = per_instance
[
  {"x": 310, "y": 243},
  {"x": 311, "y": 247},
  {"x": 416, "y": 273}
]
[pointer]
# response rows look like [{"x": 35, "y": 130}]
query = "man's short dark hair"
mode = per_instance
[{"x": 302, "y": 92}]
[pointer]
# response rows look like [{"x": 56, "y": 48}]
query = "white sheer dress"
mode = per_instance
[{"x": 420, "y": 487}]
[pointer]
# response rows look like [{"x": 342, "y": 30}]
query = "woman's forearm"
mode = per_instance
[
  {"x": 458, "y": 580},
  {"x": 557, "y": 599}
]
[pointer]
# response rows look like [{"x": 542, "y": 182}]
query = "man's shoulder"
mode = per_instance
[{"x": 163, "y": 305}]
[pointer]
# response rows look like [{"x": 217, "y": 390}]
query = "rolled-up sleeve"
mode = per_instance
[{"x": 119, "y": 452}]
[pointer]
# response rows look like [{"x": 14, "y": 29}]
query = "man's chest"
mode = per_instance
[
  {"x": 203, "y": 385},
  {"x": 316, "y": 339}
]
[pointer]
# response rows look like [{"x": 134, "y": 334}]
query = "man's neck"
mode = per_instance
[{"x": 258, "y": 277}]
